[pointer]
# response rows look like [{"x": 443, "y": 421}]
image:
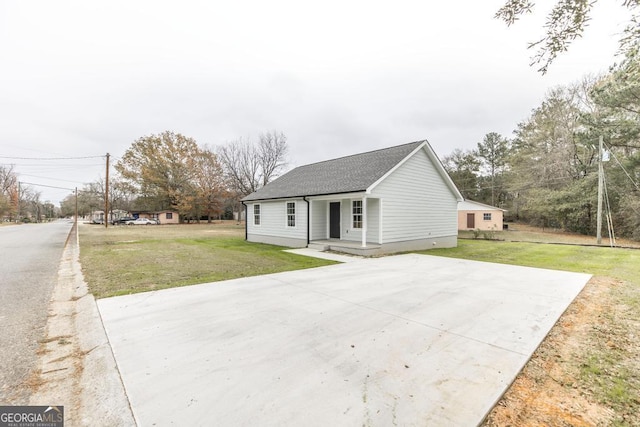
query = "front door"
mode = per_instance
[
  {"x": 334, "y": 220},
  {"x": 471, "y": 220}
]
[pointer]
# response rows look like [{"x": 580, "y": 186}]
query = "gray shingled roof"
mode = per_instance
[{"x": 344, "y": 175}]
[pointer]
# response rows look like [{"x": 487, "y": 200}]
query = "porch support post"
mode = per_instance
[
  {"x": 364, "y": 221},
  {"x": 308, "y": 219}
]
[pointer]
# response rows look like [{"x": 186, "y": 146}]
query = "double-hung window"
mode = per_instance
[
  {"x": 291, "y": 214},
  {"x": 356, "y": 210},
  {"x": 256, "y": 214},
  {"x": 486, "y": 216}
]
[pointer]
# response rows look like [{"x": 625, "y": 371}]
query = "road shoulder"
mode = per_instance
[{"x": 77, "y": 369}]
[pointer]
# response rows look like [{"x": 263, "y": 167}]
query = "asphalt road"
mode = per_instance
[{"x": 29, "y": 263}]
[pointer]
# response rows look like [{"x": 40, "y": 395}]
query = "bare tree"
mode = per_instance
[
  {"x": 8, "y": 191},
  {"x": 241, "y": 166},
  {"x": 492, "y": 153},
  {"x": 30, "y": 204},
  {"x": 249, "y": 166},
  {"x": 121, "y": 193},
  {"x": 90, "y": 199},
  {"x": 273, "y": 152},
  {"x": 208, "y": 184}
]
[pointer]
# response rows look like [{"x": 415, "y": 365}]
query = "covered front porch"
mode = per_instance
[{"x": 350, "y": 224}]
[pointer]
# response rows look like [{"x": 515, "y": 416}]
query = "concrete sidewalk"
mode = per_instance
[
  {"x": 402, "y": 340},
  {"x": 332, "y": 256}
]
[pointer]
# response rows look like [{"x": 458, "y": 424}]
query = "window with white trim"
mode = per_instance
[
  {"x": 356, "y": 211},
  {"x": 256, "y": 214},
  {"x": 486, "y": 216},
  {"x": 291, "y": 214}
]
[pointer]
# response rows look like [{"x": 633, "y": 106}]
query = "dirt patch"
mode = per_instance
[
  {"x": 570, "y": 377},
  {"x": 587, "y": 370}
]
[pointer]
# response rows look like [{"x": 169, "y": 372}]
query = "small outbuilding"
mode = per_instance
[
  {"x": 478, "y": 216},
  {"x": 163, "y": 217},
  {"x": 167, "y": 217},
  {"x": 389, "y": 200}
]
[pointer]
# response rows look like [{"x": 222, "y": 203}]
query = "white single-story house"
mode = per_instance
[
  {"x": 478, "y": 216},
  {"x": 98, "y": 216},
  {"x": 395, "y": 199}
]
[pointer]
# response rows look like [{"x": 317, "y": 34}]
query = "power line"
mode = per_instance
[
  {"x": 48, "y": 186},
  {"x": 45, "y": 177},
  {"x": 41, "y": 165},
  {"x": 635, "y": 184},
  {"x": 51, "y": 158}
]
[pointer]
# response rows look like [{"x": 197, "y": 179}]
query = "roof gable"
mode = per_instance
[
  {"x": 470, "y": 205},
  {"x": 350, "y": 174}
]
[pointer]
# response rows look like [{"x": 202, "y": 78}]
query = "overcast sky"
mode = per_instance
[{"x": 83, "y": 78}]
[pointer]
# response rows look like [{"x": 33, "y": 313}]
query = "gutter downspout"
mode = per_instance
[
  {"x": 364, "y": 221},
  {"x": 308, "y": 216},
  {"x": 246, "y": 219}
]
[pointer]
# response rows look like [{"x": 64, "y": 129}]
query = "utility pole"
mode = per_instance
[
  {"x": 106, "y": 196},
  {"x": 600, "y": 186},
  {"x": 18, "y": 204},
  {"x": 76, "y": 214}
]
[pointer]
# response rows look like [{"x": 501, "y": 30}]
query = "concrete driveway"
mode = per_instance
[{"x": 401, "y": 340}]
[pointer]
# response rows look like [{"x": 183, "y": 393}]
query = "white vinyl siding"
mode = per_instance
[
  {"x": 417, "y": 202},
  {"x": 373, "y": 220},
  {"x": 348, "y": 232},
  {"x": 319, "y": 220},
  {"x": 272, "y": 223}
]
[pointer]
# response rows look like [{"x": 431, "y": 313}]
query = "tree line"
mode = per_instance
[
  {"x": 170, "y": 171},
  {"x": 547, "y": 174},
  {"x": 21, "y": 202}
]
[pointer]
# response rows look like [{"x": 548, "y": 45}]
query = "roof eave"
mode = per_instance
[{"x": 340, "y": 193}]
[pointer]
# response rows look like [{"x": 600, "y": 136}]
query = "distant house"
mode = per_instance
[
  {"x": 395, "y": 199},
  {"x": 167, "y": 217},
  {"x": 163, "y": 217},
  {"x": 97, "y": 217},
  {"x": 478, "y": 216}
]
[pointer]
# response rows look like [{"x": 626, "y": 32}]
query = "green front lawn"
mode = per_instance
[
  {"x": 623, "y": 264},
  {"x": 129, "y": 259}
]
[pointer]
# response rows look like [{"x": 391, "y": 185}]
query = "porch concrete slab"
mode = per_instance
[
  {"x": 324, "y": 255},
  {"x": 402, "y": 340}
]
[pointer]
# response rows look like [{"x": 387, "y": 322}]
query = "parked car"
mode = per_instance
[
  {"x": 122, "y": 220},
  {"x": 142, "y": 221}
]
